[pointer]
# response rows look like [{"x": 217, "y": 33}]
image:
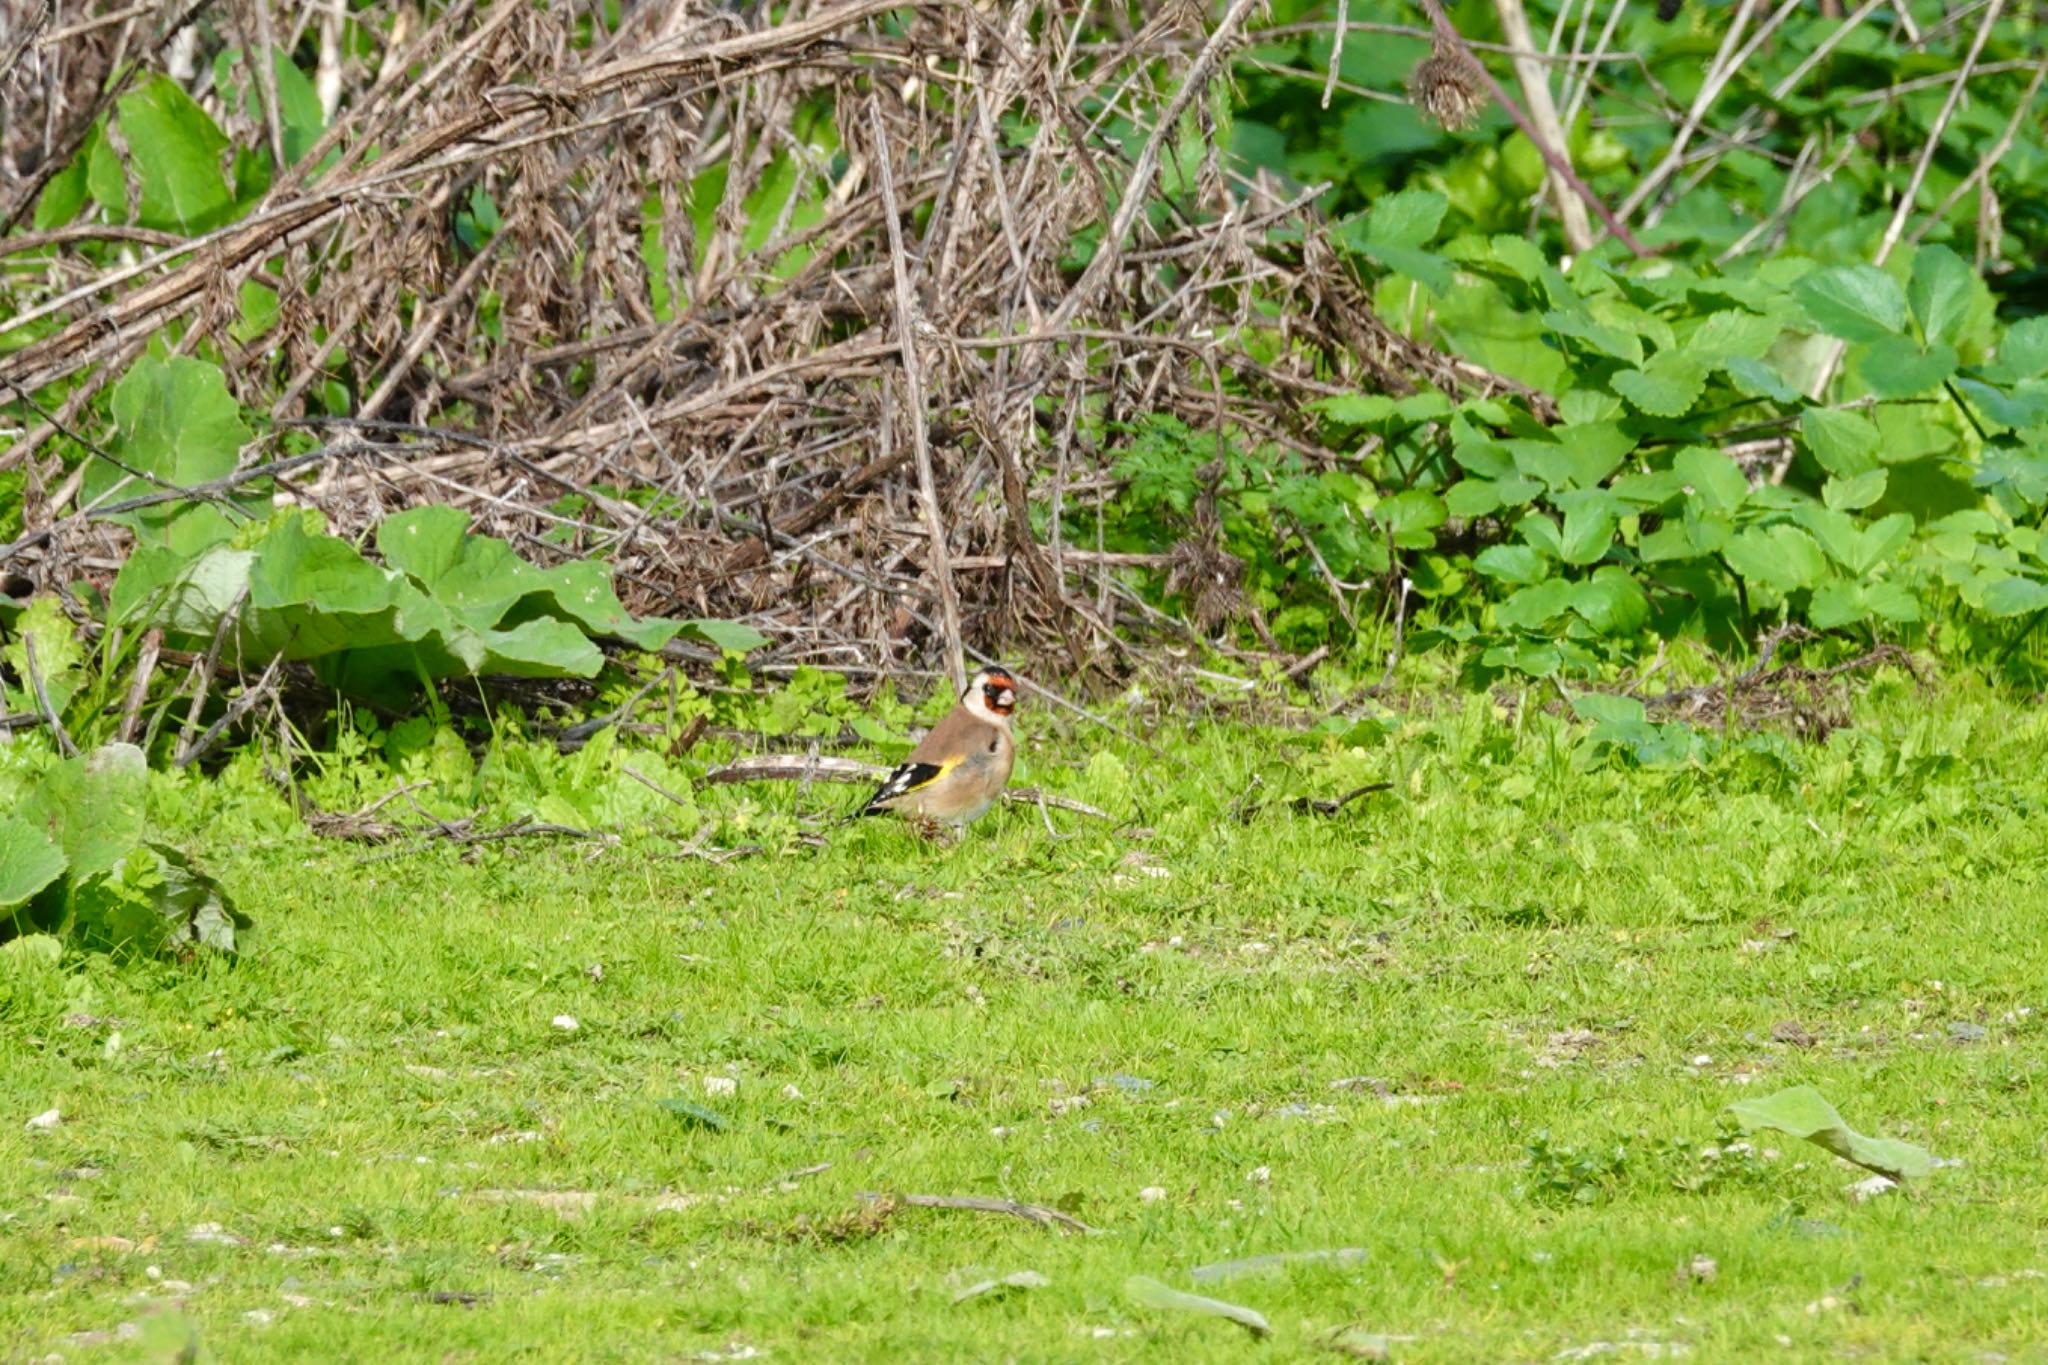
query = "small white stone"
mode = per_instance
[
  {"x": 1865, "y": 1190},
  {"x": 566, "y": 1023},
  {"x": 45, "y": 1121},
  {"x": 259, "y": 1317},
  {"x": 1703, "y": 1060},
  {"x": 790, "y": 1092},
  {"x": 1259, "y": 1175},
  {"x": 721, "y": 1085},
  {"x": 1151, "y": 1194}
]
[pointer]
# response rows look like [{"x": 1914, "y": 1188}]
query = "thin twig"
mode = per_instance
[
  {"x": 42, "y": 697},
  {"x": 236, "y": 709},
  {"x": 907, "y": 318},
  {"x": 974, "y": 1203},
  {"x": 1551, "y": 136}
]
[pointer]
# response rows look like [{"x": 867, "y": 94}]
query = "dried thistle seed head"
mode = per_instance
[{"x": 1447, "y": 87}]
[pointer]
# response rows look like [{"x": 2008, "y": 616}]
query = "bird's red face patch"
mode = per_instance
[{"x": 999, "y": 693}]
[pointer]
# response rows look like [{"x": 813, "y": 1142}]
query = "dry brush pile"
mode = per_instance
[{"x": 828, "y": 324}]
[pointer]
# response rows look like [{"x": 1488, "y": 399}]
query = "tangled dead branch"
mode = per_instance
[{"x": 798, "y": 324}]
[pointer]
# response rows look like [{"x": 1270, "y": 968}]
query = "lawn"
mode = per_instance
[{"x": 1473, "y": 1036}]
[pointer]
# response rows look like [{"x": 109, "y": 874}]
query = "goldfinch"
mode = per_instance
[{"x": 957, "y": 771}]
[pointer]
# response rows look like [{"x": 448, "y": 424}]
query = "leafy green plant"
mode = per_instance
[
  {"x": 74, "y": 863},
  {"x": 1623, "y": 520},
  {"x": 443, "y": 603},
  {"x": 1562, "y": 1174}
]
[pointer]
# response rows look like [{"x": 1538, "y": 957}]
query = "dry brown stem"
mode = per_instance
[{"x": 827, "y": 395}]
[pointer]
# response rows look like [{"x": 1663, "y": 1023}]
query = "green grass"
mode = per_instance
[{"x": 390, "y": 1151}]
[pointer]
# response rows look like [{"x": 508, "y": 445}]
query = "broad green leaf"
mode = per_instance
[
  {"x": 1896, "y": 367},
  {"x": 1512, "y": 563},
  {"x": 1802, "y": 1112},
  {"x": 1720, "y": 484},
  {"x": 541, "y": 648},
  {"x": 1612, "y": 602},
  {"x": 1478, "y": 453},
  {"x": 1669, "y": 541},
  {"x": 1855, "y": 492},
  {"x": 583, "y": 592},
  {"x": 2023, "y": 405},
  {"x": 1612, "y": 341},
  {"x": 1539, "y": 530},
  {"x": 60, "y": 658},
  {"x": 1535, "y": 659},
  {"x": 1589, "y": 517},
  {"x": 1574, "y": 457},
  {"x": 67, "y": 191},
  {"x": 1143, "y": 1289},
  {"x": 1667, "y": 386},
  {"x": 1858, "y": 551},
  {"x": 177, "y": 425},
  {"x": 1708, "y": 529},
  {"x": 1853, "y": 302},
  {"x": 1396, "y": 229},
  {"x": 1893, "y": 601},
  {"x": 1603, "y": 708},
  {"x": 29, "y": 861},
  {"x": 1917, "y": 431},
  {"x": 294, "y": 569},
  {"x": 156, "y": 900},
  {"x": 2015, "y": 596},
  {"x": 91, "y": 807},
  {"x": 176, "y": 150},
  {"x": 477, "y": 578},
  {"x": 1583, "y": 406},
  {"x": 2023, "y": 351},
  {"x": 1941, "y": 292},
  {"x": 1355, "y": 409},
  {"x": 1425, "y": 267},
  {"x": 105, "y": 179},
  {"x": 1732, "y": 334},
  {"x": 158, "y": 586},
  {"x": 1469, "y": 498},
  {"x": 1782, "y": 557},
  {"x": 1648, "y": 489},
  {"x": 1614, "y": 311},
  {"x": 731, "y": 635},
  {"x": 299, "y": 108},
  {"x": 1526, "y": 260},
  {"x": 1757, "y": 379},
  {"x": 1882, "y": 539},
  {"x": 1536, "y": 606},
  {"x": 1838, "y": 602},
  {"x": 1844, "y": 442}
]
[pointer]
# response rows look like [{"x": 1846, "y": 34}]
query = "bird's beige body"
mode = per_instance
[{"x": 957, "y": 771}]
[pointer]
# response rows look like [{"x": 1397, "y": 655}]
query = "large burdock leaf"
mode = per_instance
[
  {"x": 1152, "y": 1294},
  {"x": 1802, "y": 1112},
  {"x": 478, "y": 578},
  {"x": 176, "y": 426},
  {"x": 583, "y": 592},
  {"x": 177, "y": 158},
  {"x": 732, "y": 635},
  {"x": 156, "y": 900},
  {"x": 91, "y": 808},
  {"x": 29, "y": 861}
]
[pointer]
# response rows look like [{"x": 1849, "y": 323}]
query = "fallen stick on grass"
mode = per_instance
[
  {"x": 974, "y": 1203},
  {"x": 824, "y": 768}
]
